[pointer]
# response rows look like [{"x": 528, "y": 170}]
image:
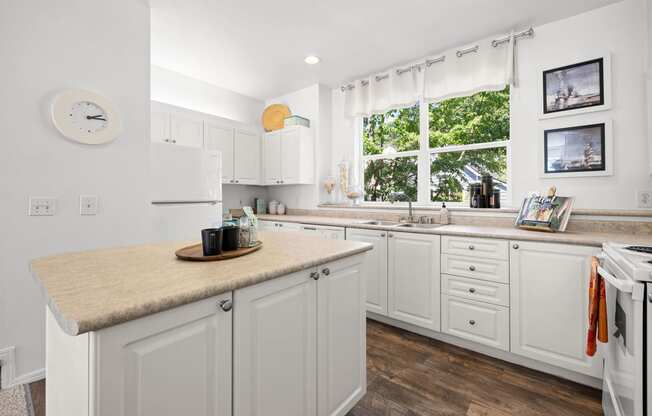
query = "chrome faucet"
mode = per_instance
[{"x": 400, "y": 196}]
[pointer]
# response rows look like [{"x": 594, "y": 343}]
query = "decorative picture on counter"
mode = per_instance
[
  {"x": 545, "y": 213},
  {"x": 575, "y": 149},
  {"x": 573, "y": 87}
]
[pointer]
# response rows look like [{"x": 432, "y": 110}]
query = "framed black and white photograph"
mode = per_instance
[
  {"x": 580, "y": 87},
  {"x": 584, "y": 150}
]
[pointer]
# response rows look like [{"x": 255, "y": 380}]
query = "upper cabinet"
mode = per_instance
[
  {"x": 289, "y": 156},
  {"x": 239, "y": 144}
]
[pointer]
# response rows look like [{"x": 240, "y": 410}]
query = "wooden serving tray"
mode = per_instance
[{"x": 196, "y": 253}]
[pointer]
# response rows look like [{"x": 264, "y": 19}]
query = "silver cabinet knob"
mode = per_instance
[
  {"x": 226, "y": 305},
  {"x": 471, "y": 247},
  {"x": 174, "y": 141},
  {"x": 472, "y": 322},
  {"x": 326, "y": 271},
  {"x": 382, "y": 234},
  {"x": 472, "y": 268},
  {"x": 515, "y": 246},
  {"x": 390, "y": 235},
  {"x": 280, "y": 225},
  {"x": 471, "y": 290},
  {"x": 314, "y": 275}
]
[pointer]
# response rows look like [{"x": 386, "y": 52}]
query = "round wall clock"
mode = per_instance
[{"x": 85, "y": 117}]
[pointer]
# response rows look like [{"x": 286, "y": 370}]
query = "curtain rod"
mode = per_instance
[{"x": 460, "y": 53}]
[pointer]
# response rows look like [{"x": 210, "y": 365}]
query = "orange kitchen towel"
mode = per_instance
[{"x": 597, "y": 309}]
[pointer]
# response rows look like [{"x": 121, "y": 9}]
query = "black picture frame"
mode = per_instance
[
  {"x": 592, "y": 102},
  {"x": 602, "y": 166}
]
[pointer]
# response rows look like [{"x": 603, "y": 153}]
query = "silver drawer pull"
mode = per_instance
[
  {"x": 472, "y": 268},
  {"x": 472, "y": 322},
  {"x": 382, "y": 234},
  {"x": 314, "y": 275},
  {"x": 226, "y": 305},
  {"x": 471, "y": 247},
  {"x": 515, "y": 246},
  {"x": 471, "y": 290},
  {"x": 326, "y": 271}
]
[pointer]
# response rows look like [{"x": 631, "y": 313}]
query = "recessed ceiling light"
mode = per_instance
[{"x": 311, "y": 59}]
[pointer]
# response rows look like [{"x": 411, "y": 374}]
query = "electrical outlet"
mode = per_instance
[
  {"x": 88, "y": 204},
  {"x": 40, "y": 206},
  {"x": 644, "y": 198}
]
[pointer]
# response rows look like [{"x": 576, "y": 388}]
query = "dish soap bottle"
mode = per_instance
[{"x": 444, "y": 218}]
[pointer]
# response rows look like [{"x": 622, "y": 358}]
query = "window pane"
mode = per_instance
[
  {"x": 394, "y": 131},
  {"x": 452, "y": 172},
  {"x": 384, "y": 176},
  {"x": 480, "y": 118}
]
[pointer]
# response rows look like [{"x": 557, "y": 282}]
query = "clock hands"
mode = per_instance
[{"x": 97, "y": 117}]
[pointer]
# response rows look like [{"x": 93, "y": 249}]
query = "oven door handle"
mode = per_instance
[{"x": 622, "y": 285}]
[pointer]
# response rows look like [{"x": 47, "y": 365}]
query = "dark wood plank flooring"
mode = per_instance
[{"x": 411, "y": 375}]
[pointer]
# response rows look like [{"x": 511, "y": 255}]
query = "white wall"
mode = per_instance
[
  {"x": 314, "y": 103},
  {"x": 177, "y": 89},
  {"x": 619, "y": 28},
  {"x": 45, "y": 47}
]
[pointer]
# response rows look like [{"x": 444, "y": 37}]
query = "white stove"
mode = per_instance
[{"x": 627, "y": 380}]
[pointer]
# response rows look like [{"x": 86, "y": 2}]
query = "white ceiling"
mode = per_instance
[{"x": 257, "y": 47}]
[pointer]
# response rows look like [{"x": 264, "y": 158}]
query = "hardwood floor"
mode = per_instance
[{"x": 410, "y": 375}]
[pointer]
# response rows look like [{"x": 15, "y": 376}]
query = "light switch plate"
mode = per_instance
[
  {"x": 41, "y": 206},
  {"x": 88, "y": 204},
  {"x": 644, "y": 198}
]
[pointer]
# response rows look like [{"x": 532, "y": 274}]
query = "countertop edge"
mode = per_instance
[{"x": 74, "y": 327}]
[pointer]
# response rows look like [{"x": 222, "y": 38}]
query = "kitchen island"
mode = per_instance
[{"x": 134, "y": 331}]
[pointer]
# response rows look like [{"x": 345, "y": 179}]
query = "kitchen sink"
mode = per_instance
[
  {"x": 383, "y": 223},
  {"x": 423, "y": 226}
]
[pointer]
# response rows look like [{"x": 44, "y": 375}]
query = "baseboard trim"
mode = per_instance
[
  {"x": 492, "y": 352},
  {"x": 8, "y": 372}
]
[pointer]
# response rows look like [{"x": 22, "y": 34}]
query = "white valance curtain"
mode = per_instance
[{"x": 482, "y": 66}]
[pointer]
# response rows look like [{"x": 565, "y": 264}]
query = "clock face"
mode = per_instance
[
  {"x": 85, "y": 117},
  {"x": 88, "y": 117}
]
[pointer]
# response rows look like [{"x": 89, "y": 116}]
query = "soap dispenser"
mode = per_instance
[{"x": 444, "y": 218}]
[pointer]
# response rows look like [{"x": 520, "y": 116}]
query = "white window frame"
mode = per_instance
[{"x": 423, "y": 158}]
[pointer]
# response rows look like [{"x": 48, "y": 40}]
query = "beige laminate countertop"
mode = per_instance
[
  {"x": 509, "y": 233},
  {"x": 91, "y": 290}
]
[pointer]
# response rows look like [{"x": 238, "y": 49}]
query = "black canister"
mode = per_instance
[
  {"x": 475, "y": 190},
  {"x": 487, "y": 189},
  {"x": 494, "y": 202},
  {"x": 230, "y": 238},
  {"x": 211, "y": 241}
]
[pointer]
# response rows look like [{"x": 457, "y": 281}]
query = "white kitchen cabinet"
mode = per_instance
[
  {"x": 549, "y": 305},
  {"x": 375, "y": 267},
  {"x": 160, "y": 124},
  {"x": 298, "y": 332},
  {"x": 171, "y": 363},
  {"x": 414, "y": 278},
  {"x": 341, "y": 336},
  {"x": 289, "y": 156},
  {"x": 278, "y": 226},
  {"x": 480, "y": 322},
  {"x": 330, "y": 233},
  {"x": 187, "y": 130},
  {"x": 240, "y": 150}
]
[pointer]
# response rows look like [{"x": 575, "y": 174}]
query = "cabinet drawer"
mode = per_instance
[
  {"x": 479, "y": 290},
  {"x": 481, "y": 247},
  {"x": 477, "y": 268},
  {"x": 479, "y": 322}
]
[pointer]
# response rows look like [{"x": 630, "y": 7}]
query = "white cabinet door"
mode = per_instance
[
  {"x": 329, "y": 233},
  {"x": 267, "y": 226},
  {"x": 187, "y": 131},
  {"x": 168, "y": 364},
  {"x": 375, "y": 269},
  {"x": 291, "y": 156},
  {"x": 549, "y": 305},
  {"x": 414, "y": 279},
  {"x": 220, "y": 138},
  {"x": 341, "y": 333},
  {"x": 272, "y": 151},
  {"x": 160, "y": 126},
  {"x": 481, "y": 322},
  {"x": 247, "y": 157},
  {"x": 275, "y": 348}
]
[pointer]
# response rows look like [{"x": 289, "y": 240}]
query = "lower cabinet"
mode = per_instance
[
  {"x": 549, "y": 305},
  {"x": 171, "y": 363},
  {"x": 297, "y": 333},
  {"x": 414, "y": 278},
  {"x": 481, "y": 322},
  {"x": 375, "y": 267},
  {"x": 330, "y": 233}
]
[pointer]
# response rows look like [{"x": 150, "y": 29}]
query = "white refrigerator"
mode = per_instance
[{"x": 185, "y": 192}]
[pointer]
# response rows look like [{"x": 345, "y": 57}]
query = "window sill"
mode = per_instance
[{"x": 420, "y": 207}]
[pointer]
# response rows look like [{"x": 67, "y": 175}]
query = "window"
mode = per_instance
[{"x": 466, "y": 138}]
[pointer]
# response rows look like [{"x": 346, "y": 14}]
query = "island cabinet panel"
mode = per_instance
[
  {"x": 375, "y": 267},
  {"x": 275, "y": 356},
  {"x": 171, "y": 363},
  {"x": 341, "y": 340},
  {"x": 549, "y": 305},
  {"x": 414, "y": 279},
  {"x": 296, "y": 333}
]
